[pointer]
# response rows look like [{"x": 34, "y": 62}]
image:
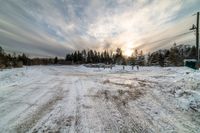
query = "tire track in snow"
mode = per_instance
[
  {"x": 111, "y": 118},
  {"x": 29, "y": 117},
  {"x": 14, "y": 109},
  {"x": 26, "y": 88},
  {"x": 62, "y": 117},
  {"x": 29, "y": 122},
  {"x": 121, "y": 117},
  {"x": 77, "y": 124}
]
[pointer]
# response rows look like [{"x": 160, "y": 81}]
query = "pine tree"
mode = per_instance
[
  {"x": 1, "y": 51},
  {"x": 92, "y": 56},
  {"x": 56, "y": 60},
  {"x": 118, "y": 56},
  {"x": 149, "y": 59},
  {"x": 192, "y": 54},
  {"x": 95, "y": 57},
  {"x": 79, "y": 56},
  {"x": 99, "y": 57},
  {"x": 84, "y": 56},
  {"x": 174, "y": 55},
  {"x": 136, "y": 53},
  {"x": 88, "y": 57},
  {"x": 161, "y": 59},
  {"x": 75, "y": 57}
]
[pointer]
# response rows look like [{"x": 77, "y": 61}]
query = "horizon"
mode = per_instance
[{"x": 54, "y": 28}]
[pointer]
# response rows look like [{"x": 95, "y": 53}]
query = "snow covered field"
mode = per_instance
[{"x": 80, "y": 99}]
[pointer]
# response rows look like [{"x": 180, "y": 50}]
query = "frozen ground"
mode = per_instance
[{"x": 80, "y": 99}]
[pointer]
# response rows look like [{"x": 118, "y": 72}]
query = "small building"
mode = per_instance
[{"x": 192, "y": 63}]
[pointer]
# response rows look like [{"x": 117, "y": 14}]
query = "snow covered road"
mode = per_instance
[{"x": 80, "y": 99}]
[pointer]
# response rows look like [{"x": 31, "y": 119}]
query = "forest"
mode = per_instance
[{"x": 164, "y": 57}]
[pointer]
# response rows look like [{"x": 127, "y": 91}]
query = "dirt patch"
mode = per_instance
[
  {"x": 115, "y": 104},
  {"x": 106, "y": 81},
  {"x": 145, "y": 81},
  {"x": 135, "y": 94},
  {"x": 79, "y": 74},
  {"x": 86, "y": 106},
  {"x": 118, "y": 84},
  {"x": 121, "y": 97},
  {"x": 58, "y": 125},
  {"x": 65, "y": 121},
  {"x": 142, "y": 83},
  {"x": 92, "y": 96}
]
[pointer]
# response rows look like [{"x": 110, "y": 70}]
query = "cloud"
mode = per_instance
[{"x": 53, "y": 28}]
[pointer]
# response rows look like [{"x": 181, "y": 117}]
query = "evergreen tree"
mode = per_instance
[
  {"x": 88, "y": 57},
  {"x": 99, "y": 57},
  {"x": 149, "y": 59},
  {"x": 173, "y": 56},
  {"x": 192, "y": 54},
  {"x": 75, "y": 57},
  {"x": 161, "y": 59},
  {"x": 92, "y": 56},
  {"x": 136, "y": 53},
  {"x": 131, "y": 60},
  {"x": 84, "y": 56},
  {"x": 1, "y": 51},
  {"x": 118, "y": 56},
  {"x": 79, "y": 57},
  {"x": 95, "y": 57},
  {"x": 56, "y": 60},
  {"x": 140, "y": 59}
]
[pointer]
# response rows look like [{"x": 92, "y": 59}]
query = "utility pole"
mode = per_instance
[
  {"x": 197, "y": 37},
  {"x": 196, "y": 27}
]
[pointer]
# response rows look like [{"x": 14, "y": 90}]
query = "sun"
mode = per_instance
[{"x": 128, "y": 52}]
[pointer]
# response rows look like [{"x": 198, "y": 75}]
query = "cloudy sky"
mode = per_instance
[{"x": 55, "y": 27}]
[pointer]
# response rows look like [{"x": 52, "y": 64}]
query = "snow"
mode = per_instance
[{"x": 81, "y": 99}]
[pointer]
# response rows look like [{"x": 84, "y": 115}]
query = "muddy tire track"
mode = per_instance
[{"x": 113, "y": 117}]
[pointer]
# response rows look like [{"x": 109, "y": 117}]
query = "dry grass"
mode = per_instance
[{"x": 122, "y": 97}]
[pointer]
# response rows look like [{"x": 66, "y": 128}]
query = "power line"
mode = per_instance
[
  {"x": 175, "y": 36},
  {"x": 196, "y": 28}
]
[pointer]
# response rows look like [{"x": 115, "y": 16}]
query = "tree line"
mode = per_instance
[
  {"x": 10, "y": 61},
  {"x": 93, "y": 56},
  {"x": 90, "y": 56},
  {"x": 76, "y": 57},
  {"x": 106, "y": 57},
  {"x": 172, "y": 57},
  {"x": 165, "y": 57}
]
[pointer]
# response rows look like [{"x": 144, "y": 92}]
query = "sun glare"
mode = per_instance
[{"x": 128, "y": 52}]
